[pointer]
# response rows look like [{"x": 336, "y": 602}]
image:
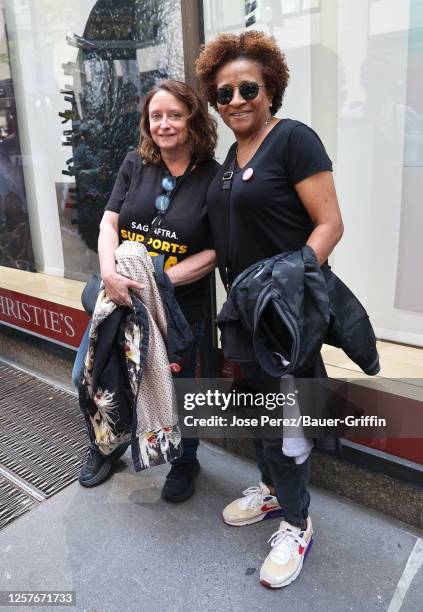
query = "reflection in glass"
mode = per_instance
[
  {"x": 126, "y": 48},
  {"x": 15, "y": 235}
]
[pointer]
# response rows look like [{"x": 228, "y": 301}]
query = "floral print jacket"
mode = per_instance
[{"x": 127, "y": 392}]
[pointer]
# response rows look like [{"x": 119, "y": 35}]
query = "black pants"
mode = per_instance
[
  {"x": 277, "y": 470},
  {"x": 288, "y": 478}
]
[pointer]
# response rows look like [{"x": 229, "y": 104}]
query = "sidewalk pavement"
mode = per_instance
[{"x": 123, "y": 549}]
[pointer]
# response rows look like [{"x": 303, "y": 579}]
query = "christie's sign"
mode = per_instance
[{"x": 55, "y": 322}]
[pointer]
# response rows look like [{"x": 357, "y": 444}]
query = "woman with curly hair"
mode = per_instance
[
  {"x": 282, "y": 197},
  {"x": 159, "y": 199}
]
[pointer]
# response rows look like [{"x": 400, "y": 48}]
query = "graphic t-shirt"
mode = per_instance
[
  {"x": 185, "y": 228},
  {"x": 266, "y": 215}
]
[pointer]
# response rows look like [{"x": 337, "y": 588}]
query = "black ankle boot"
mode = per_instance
[
  {"x": 97, "y": 467},
  {"x": 179, "y": 485}
]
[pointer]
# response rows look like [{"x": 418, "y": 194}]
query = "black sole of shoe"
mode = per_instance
[
  {"x": 105, "y": 470},
  {"x": 102, "y": 475},
  {"x": 175, "y": 499}
]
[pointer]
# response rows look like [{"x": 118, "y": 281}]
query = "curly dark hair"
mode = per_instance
[
  {"x": 202, "y": 128},
  {"x": 250, "y": 45}
]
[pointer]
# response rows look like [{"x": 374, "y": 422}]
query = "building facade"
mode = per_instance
[{"x": 72, "y": 76}]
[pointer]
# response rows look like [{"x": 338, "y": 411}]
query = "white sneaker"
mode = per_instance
[
  {"x": 257, "y": 505},
  {"x": 290, "y": 546}
]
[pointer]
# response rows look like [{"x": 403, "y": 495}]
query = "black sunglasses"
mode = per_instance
[{"x": 248, "y": 90}]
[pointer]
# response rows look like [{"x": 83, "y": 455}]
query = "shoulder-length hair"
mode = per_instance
[{"x": 201, "y": 126}]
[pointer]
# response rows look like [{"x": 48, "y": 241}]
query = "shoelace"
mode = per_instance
[
  {"x": 88, "y": 452},
  {"x": 89, "y": 456},
  {"x": 253, "y": 496},
  {"x": 282, "y": 542}
]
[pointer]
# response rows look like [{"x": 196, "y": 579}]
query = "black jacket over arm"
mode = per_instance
[{"x": 281, "y": 310}]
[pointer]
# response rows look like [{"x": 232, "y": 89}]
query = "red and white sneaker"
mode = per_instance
[
  {"x": 290, "y": 547},
  {"x": 257, "y": 505}
]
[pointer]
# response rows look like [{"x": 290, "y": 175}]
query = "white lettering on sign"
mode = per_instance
[{"x": 38, "y": 316}]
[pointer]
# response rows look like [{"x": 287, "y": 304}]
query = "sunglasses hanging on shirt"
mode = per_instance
[
  {"x": 162, "y": 201},
  {"x": 170, "y": 185}
]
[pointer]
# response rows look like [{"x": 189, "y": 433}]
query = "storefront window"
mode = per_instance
[
  {"x": 82, "y": 69},
  {"x": 355, "y": 78},
  {"x": 15, "y": 234}
]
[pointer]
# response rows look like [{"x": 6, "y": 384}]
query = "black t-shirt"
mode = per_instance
[
  {"x": 185, "y": 227},
  {"x": 266, "y": 214}
]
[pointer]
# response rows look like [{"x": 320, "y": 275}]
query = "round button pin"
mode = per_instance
[{"x": 247, "y": 174}]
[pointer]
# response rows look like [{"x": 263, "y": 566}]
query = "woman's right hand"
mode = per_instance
[{"x": 118, "y": 286}]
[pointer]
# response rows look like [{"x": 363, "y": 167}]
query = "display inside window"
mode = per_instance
[
  {"x": 15, "y": 234},
  {"x": 127, "y": 47}
]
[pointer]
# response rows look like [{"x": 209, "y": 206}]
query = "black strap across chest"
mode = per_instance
[{"x": 226, "y": 202}]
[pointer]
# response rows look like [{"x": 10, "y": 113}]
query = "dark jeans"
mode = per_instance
[
  {"x": 189, "y": 362},
  {"x": 277, "y": 470},
  {"x": 78, "y": 365},
  {"x": 77, "y": 372}
]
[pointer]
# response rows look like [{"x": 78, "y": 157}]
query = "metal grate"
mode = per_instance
[
  {"x": 42, "y": 436},
  {"x": 13, "y": 502}
]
